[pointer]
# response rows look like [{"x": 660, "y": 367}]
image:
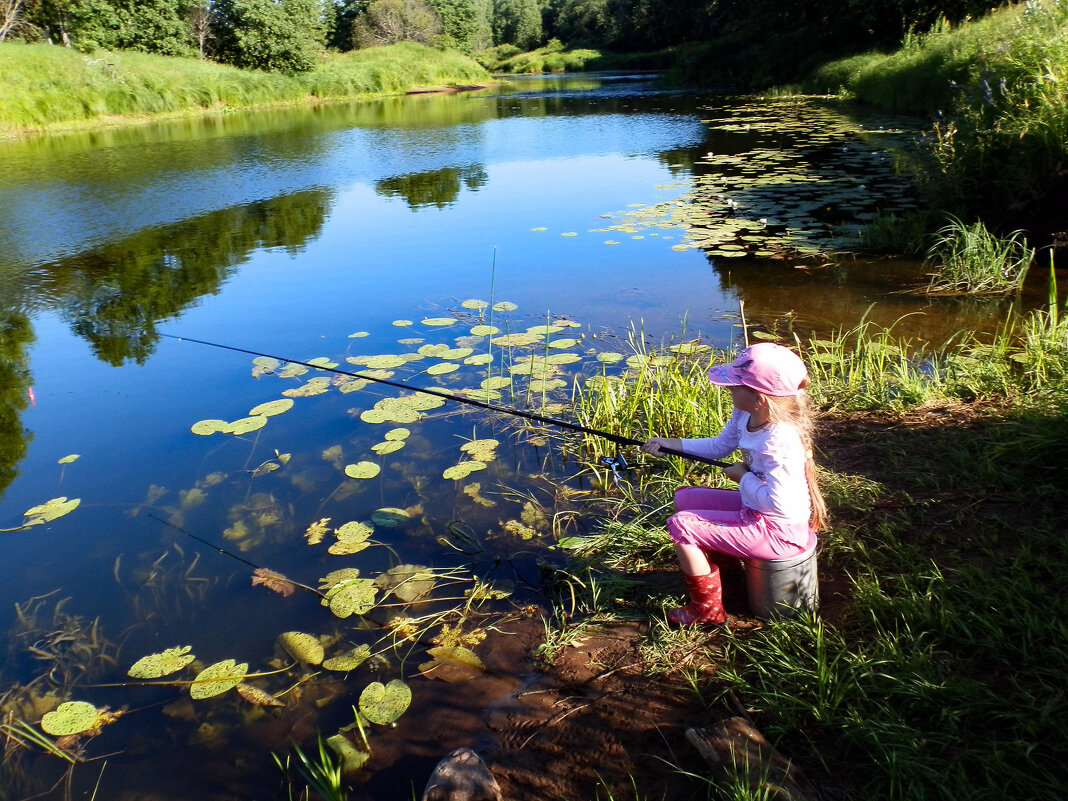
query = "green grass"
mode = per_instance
[
  {"x": 551, "y": 58},
  {"x": 940, "y": 674},
  {"x": 54, "y": 86},
  {"x": 968, "y": 259}
]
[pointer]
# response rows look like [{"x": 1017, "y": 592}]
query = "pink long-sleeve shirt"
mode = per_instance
[{"x": 775, "y": 455}]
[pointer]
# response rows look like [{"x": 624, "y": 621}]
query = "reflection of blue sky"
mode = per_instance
[{"x": 48, "y": 219}]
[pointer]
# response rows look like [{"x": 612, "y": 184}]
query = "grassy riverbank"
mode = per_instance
[
  {"x": 997, "y": 93},
  {"x": 935, "y": 669},
  {"x": 48, "y": 87}
]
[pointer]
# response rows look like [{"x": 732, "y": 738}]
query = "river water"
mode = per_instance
[{"x": 557, "y": 208}]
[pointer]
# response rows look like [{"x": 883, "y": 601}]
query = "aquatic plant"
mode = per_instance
[
  {"x": 969, "y": 259},
  {"x": 319, "y": 772}
]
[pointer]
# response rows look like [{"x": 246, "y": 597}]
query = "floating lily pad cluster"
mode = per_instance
[{"x": 809, "y": 181}]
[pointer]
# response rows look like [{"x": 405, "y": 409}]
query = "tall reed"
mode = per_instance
[{"x": 968, "y": 259}]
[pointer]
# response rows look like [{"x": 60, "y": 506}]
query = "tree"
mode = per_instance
[
  {"x": 11, "y": 20},
  {"x": 199, "y": 17},
  {"x": 517, "y": 22},
  {"x": 344, "y": 14},
  {"x": 151, "y": 26},
  {"x": 391, "y": 21},
  {"x": 459, "y": 19},
  {"x": 275, "y": 35}
]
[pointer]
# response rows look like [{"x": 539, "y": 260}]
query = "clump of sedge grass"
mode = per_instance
[{"x": 968, "y": 259}]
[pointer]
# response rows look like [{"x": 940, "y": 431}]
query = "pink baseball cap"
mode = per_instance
[{"x": 766, "y": 367}]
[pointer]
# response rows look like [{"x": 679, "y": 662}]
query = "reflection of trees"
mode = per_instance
[
  {"x": 114, "y": 295},
  {"x": 15, "y": 337},
  {"x": 436, "y": 187}
]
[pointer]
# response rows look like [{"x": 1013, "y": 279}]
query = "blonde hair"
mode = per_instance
[{"x": 797, "y": 411}]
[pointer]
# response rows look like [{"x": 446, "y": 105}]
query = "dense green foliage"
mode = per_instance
[
  {"x": 997, "y": 92},
  {"x": 285, "y": 34},
  {"x": 279, "y": 35}
]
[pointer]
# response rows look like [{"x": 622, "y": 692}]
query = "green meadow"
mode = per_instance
[{"x": 48, "y": 87}]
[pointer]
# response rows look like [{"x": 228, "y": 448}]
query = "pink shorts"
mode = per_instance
[{"x": 716, "y": 520}]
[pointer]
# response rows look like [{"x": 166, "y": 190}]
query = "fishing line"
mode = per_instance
[{"x": 616, "y": 438}]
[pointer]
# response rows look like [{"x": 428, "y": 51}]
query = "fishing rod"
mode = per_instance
[{"x": 616, "y": 464}]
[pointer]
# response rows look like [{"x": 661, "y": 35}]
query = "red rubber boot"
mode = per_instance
[{"x": 706, "y": 601}]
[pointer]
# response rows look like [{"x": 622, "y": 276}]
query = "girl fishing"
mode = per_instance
[{"x": 777, "y": 508}]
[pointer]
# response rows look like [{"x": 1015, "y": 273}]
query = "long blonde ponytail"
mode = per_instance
[{"x": 797, "y": 411}]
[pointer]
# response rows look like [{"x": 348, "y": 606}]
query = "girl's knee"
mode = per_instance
[{"x": 676, "y": 529}]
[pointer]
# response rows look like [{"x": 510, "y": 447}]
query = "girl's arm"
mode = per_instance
[
  {"x": 723, "y": 444},
  {"x": 776, "y": 483}
]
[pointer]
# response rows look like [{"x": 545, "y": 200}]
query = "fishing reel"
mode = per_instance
[{"x": 617, "y": 464}]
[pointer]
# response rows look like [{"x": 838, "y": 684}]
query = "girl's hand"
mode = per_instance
[
  {"x": 735, "y": 472},
  {"x": 653, "y": 446}
]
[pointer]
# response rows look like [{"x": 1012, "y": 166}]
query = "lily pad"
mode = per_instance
[
  {"x": 205, "y": 428},
  {"x": 504, "y": 306},
  {"x": 351, "y": 597},
  {"x": 383, "y": 448},
  {"x": 254, "y": 695},
  {"x": 271, "y": 408},
  {"x": 477, "y": 305},
  {"x": 316, "y": 531},
  {"x": 292, "y": 371},
  {"x": 322, "y": 361},
  {"x": 516, "y": 340},
  {"x": 439, "y": 321},
  {"x": 456, "y": 353},
  {"x": 305, "y": 648},
  {"x": 69, "y": 458},
  {"x": 246, "y": 425},
  {"x": 433, "y": 350},
  {"x": 463, "y": 469},
  {"x": 362, "y": 470},
  {"x": 315, "y": 386},
  {"x": 479, "y": 358},
  {"x": 373, "y": 416},
  {"x": 385, "y": 361},
  {"x": 384, "y": 704},
  {"x": 442, "y": 368},
  {"x": 484, "y": 395},
  {"x": 562, "y": 358},
  {"x": 53, "y": 509},
  {"x": 71, "y": 717},
  {"x": 217, "y": 679},
  {"x": 547, "y": 384},
  {"x": 496, "y": 382},
  {"x": 359, "y": 334},
  {"x": 563, "y": 343},
  {"x": 396, "y": 435},
  {"x": 484, "y": 330},
  {"x": 407, "y": 582},
  {"x": 607, "y": 357},
  {"x": 453, "y": 663},
  {"x": 350, "y": 660},
  {"x": 354, "y": 531},
  {"x": 482, "y": 450},
  {"x": 390, "y": 517},
  {"x": 352, "y": 758},
  {"x": 336, "y": 577},
  {"x": 402, "y": 323},
  {"x": 165, "y": 663}
]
